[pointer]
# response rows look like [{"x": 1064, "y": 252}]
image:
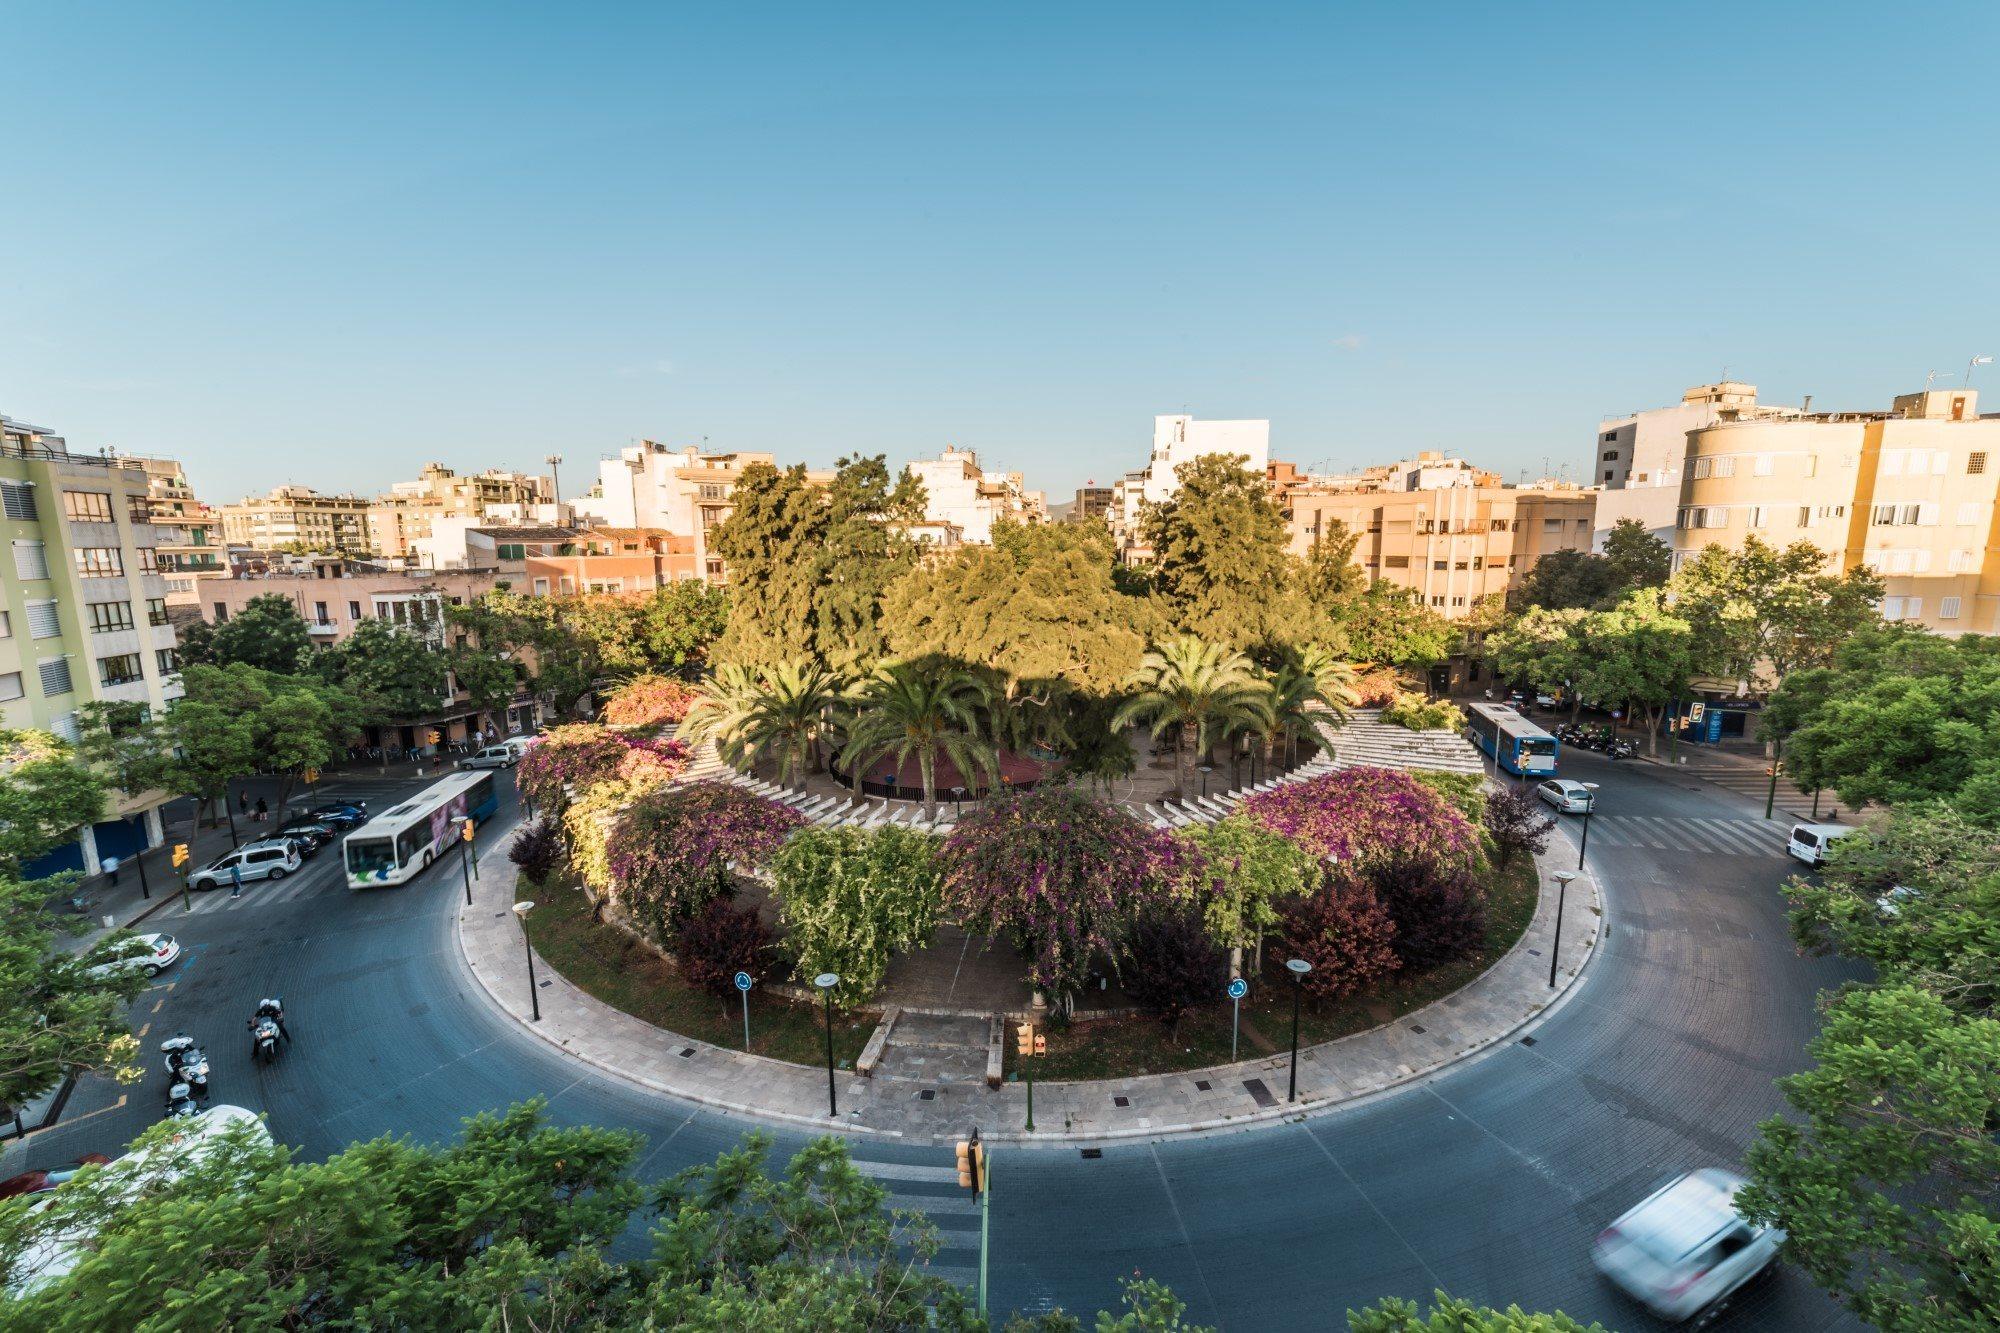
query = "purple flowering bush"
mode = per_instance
[
  {"x": 670, "y": 851},
  {"x": 1365, "y": 815},
  {"x": 583, "y": 754},
  {"x": 1062, "y": 875}
]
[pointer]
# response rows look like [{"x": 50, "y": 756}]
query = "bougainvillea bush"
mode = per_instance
[
  {"x": 1363, "y": 815},
  {"x": 670, "y": 851},
  {"x": 1240, "y": 874},
  {"x": 583, "y": 754},
  {"x": 849, "y": 899},
  {"x": 649, "y": 701},
  {"x": 1175, "y": 966},
  {"x": 717, "y": 943},
  {"x": 1060, "y": 874},
  {"x": 1439, "y": 910},
  {"x": 1345, "y": 933},
  {"x": 589, "y": 819}
]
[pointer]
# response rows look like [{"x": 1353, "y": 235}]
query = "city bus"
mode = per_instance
[
  {"x": 397, "y": 844},
  {"x": 1516, "y": 744}
]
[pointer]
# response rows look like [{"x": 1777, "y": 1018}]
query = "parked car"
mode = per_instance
[
  {"x": 297, "y": 842},
  {"x": 1810, "y": 842},
  {"x": 39, "y": 1182},
  {"x": 493, "y": 756},
  {"x": 341, "y": 814},
  {"x": 1571, "y": 798},
  {"x": 258, "y": 860},
  {"x": 161, "y": 952},
  {"x": 1684, "y": 1250},
  {"x": 520, "y": 745},
  {"x": 312, "y": 834}
]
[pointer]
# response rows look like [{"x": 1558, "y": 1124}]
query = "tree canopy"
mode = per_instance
[
  {"x": 268, "y": 633},
  {"x": 56, "y": 1019},
  {"x": 45, "y": 794},
  {"x": 1219, "y": 565},
  {"x": 1761, "y": 612}
]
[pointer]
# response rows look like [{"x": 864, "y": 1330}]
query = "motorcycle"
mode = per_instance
[
  {"x": 186, "y": 1063},
  {"x": 181, "y": 1104},
  {"x": 263, "y": 1038}
]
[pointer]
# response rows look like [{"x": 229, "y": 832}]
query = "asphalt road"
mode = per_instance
[{"x": 1488, "y": 1182}]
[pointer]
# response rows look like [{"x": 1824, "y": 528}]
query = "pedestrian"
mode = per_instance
[
  {"x": 111, "y": 869},
  {"x": 235, "y": 879},
  {"x": 263, "y": 810},
  {"x": 242, "y": 803}
]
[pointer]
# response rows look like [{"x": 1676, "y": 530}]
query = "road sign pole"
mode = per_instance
[
  {"x": 985, "y": 1216},
  {"x": 463, "y": 862},
  {"x": 1238, "y": 988},
  {"x": 1028, "y": 1067},
  {"x": 743, "y": 984}
]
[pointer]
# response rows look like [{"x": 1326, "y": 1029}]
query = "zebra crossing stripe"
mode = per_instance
[{"x": 1742, "y": 836}]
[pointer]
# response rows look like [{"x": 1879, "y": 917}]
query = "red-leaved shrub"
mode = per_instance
[
  {"x": 1439, "y": 910},
  {"x": 1345, "y": 933}
]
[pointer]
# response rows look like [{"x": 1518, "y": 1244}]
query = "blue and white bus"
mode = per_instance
[
  {"x": 397, "y": 844},
  {"x": 1516, "y": 744}
]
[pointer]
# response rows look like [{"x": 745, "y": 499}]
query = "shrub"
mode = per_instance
[
  {"x": 1378, "y": 687},
  {"x": 716, "y": 943},
  {"x": 1465, "y": 791},
  {"x": 1517, "y": 823},
  {"x": 536, "y": 849},
  {"x": 1345, "y": 932},
  {"x": 1063, "y": 875},
  {"x": 649, "y": 701},
  {"x": 1360, "y": 815},
  {"x": 670, "y": 852},
  {"x": 849, "y": 899},
  {"x": 1173, "y": 966},
  {"x": 1421, "y": 714},
  {"x": 583, "y": 754},
  {"x": 1239, "y": 875},
  {"x": 1439, "y": 910},
  {"x": 587, "y": 823}
]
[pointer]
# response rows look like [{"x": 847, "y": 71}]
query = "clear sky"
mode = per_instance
[{"x": 324, "y": 243}]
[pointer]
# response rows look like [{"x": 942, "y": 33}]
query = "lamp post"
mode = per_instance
[
  {"x": 1589, "y": 804},
  {"x": 826, "y": 981},
  {"x": 521, "y": 909},
  {"x": 1298, "y": 967},
  {"x": 1563, "y": 877},
  {"x": 139, "y": 858},
  {"x": 1204, "y": 770}
]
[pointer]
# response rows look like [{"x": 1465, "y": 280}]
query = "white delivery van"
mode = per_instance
[{"x": 1809, "y": 842}]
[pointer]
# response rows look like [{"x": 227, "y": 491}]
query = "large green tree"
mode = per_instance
[
  {"x": 920, "y": 711},
  {"x": 1641, "y": 559},
  {"x": 1640, "y": 655},
  {"x": 1450, "y": 1315},
  {"x": 397, "y": 673},
  {"x": 238, "y": 720},
  {"x": 851, "y": 899},
  {"x": 56, "y": 1017},
  {"x": 562, "y": 662},
  {"x": 1760, "y": 613},
  {"x": 1203, "y": 692},
  {"x": 1390, "y": 624},
  {"x": 46, "y": 793},
  {"x": 1542, "y": 648},
  {"x": 268, "y": 633},
  {"x": 1568, "y": 580}
]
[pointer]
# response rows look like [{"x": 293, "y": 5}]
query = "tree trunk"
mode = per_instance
[
  {"x": 1185, "y": 754},
  {"x": 1235, "y": 961},
  {"x": 1653, "y": 733},
  {"x": 927, "y": 766}
]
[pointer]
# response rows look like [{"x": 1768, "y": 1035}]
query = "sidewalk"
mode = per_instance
[
  {"x": 1491, "y": 1010},
  {"x": 1745, "y": 771}
]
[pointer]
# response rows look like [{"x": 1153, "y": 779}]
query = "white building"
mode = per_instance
[
  {"x": 684, "y": 492},
  {"x": 1178, "y": 440},
  {"x": 1638, "y": 460},
  {"x": 958, "y": 493}
]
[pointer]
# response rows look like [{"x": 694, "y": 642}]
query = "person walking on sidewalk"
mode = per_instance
[{"x": 263, "y": 810}]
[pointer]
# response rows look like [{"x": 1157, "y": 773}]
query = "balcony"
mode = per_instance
[{"x": 322, "y": 629}]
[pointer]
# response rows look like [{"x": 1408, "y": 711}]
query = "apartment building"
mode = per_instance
[
  {"x": 83, "y": 613},
  {"x": 959, "y": 494},
  {"x": 1091, "y": 504},
  {"x": 1176, "y": 440},
  {"x": 398, "y": 519},
  {"x": 1911, "y": 493},
  {"x": 1448, "y": 531},
  {"x": 301, "y": 516},
  {"x": 191, "y": 542},
  {"x": 1638, "y": 460}
]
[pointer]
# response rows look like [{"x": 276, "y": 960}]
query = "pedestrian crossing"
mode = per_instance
[
  {"x": 1753, "y": 782},
  {"x": 1686, "y": 833},
  {"x": 265, "y": 893},
  {"x": 934, "y": 1191}
]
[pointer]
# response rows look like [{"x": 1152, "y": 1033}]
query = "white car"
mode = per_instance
[
  {"x": 258, "y": 860},
  {"x": 162, "y": 952},
  {"x": 520, "y": 745},
  {"x": 1684, "y": 1249},
  {"x": 1572, "y": 798},
  {"x": 493, "y": 756},
  {"x": 1810, "y": 842}
]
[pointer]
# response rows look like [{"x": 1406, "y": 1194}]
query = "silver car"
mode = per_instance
[
  {"x": 493, "y": 756},
  {"x": 1684, "y": 1249},
  {"x": 1570, "y": 797}
]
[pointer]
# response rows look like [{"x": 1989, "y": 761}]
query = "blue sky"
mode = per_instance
[{"x": 326, "y": 243}]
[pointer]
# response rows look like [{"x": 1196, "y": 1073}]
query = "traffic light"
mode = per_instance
[
  {"x": 1041, "y": 1044},
  {"x": 466, "y": 832},
  {"x": 971, "y": 1164},
  {"x": 312, "y": 776},
  {"x": 1024, "y": 1039},
  {"x": 432, "y": 736},
  {"x": 180, "y": 855}
]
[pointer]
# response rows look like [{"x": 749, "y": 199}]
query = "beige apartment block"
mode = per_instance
[
  {"x": 402, "y": 517},
  {"x": 289, "y": 514},
  {"x": 1910, "y": 493},
  {"x": 1453, "y": 545},
  {"x": 683, "y": 491}
]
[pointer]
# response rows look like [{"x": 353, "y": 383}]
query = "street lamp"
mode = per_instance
[
  {"x": 1563, "y": 877},
  {"x": 521, "y": 909},
  {"x": 1589, "y": 804},
  {"x": 826, "y": 981},
  {"x": 1298, "y": 967},
  {"x": 1204, "y": 770}
]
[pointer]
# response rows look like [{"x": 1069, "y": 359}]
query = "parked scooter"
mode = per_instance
[
  {"x": 186, "y": 1063},
  {"x": 1623, "y": 750},
  {"x": 181, "y": 1104}
]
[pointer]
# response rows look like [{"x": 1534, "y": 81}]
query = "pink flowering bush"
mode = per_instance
[
  {"x": 583, "y": 754},
  {"x": 1062, "y": 875},
  {"x": 649, "y": 701},
  {"x": 670, "y": 851},
  {"x": 1367, "y": 815}
]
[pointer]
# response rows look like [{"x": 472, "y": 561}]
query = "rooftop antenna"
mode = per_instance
[
  {"x": 1935, "y": 374},
  {"x": 1975, "y": 361}
]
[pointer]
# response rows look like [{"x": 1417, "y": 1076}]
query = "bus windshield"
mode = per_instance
[
  {"x": 369, "y": 856},
  {"x": 1538, "y": 745}
]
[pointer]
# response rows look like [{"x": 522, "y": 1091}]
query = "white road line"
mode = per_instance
[{"x": 906, "y": 1171}]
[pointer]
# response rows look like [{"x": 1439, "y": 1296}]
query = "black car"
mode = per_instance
[
  {"x": 341, "y": 814},
  {"x": 315, "y": 833}
]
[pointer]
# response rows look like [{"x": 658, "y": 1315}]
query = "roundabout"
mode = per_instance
[{"x": 1488, "y": 1179}]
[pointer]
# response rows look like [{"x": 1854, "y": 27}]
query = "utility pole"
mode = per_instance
[{"x": 1777, "y": 762}]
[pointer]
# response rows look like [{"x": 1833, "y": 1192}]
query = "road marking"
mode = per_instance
[
  {"x": 159, "y": 1004},
  {"x": 141, "y": 1033},
  {"x": 118, "y": 1105}
]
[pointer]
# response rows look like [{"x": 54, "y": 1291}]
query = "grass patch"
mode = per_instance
[
  {"x": 602, "y": 961},
  {"x": 1125, "y": 1047}
]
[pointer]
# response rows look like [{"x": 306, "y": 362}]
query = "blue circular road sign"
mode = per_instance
[
  {"x": 1238, "y": 988},
  {"x": 742, "y": 981}
]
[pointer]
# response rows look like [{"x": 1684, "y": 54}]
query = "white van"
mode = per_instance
[{"x": 1810, "y": 842}]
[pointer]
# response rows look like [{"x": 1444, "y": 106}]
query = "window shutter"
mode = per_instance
[
  {"x": 18, "y": 502},
  {"x": 43, "y": 622},
  {"x": 55, "y": 676},
  {"x": 30, "y": 561}
]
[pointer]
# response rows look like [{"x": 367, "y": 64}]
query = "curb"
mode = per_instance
[{"x": 1306, "y": 1107}]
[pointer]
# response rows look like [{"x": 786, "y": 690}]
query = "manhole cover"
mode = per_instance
[
  {"x": 547, "y": 984},
  {"x": 685, "y": 1051},
  {"x": 1258, "y": 1092},
  {"x": 1091, "y": 1154},
  {"x": 1121, "y": 1101},
  {"x": 1527, "y": 1041},
  {"x": 1416, "y": 1027},
  {"x": 1202, "y": 1084},
  {"x": 927, "y": 1095}
]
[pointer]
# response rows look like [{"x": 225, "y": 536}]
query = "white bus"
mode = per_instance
[
  {"x": 397, "y": 844},
  {"x": 1516, "y": 744}
]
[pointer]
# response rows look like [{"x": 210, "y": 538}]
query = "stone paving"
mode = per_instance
[{"x": 922, "y": 1106}]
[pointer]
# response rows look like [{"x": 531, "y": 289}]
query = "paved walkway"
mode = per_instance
[{"x": 941, "y": 1100}]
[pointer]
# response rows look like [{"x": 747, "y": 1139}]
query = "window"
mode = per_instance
[
  {"x": 1552, "y": 526},
  {"x": 168, "y": 660},
  {"x": 354, "y": 610},
  {"x": 1458, "y": 564},
  {"x": 319, "y": 613},
  {"x": 138, "y": 510},
  {"x": 98, "y": 562},
  {"x": 6, "y": 626},
  {"x": 1458, "y": 601},
  {"x": 1756, "y": 516},
  {"x": 156, "y": 610},
  {"x": 1479, "y": 562},
  {"x": 1611, "y": 456},
  {"x": 120, "y": 670},
  {"x": 1437, "y": 601},
  {"x": 710, "y": 491},
  {"x": 1913, "y": 607},
  {"x": 513, "y": 551},
  {"x": 1968, "y": 513},
  {"x": 1396, "y": 561},
  {"x": 1975, "y": 464},
  {"x": 87, "y": 506},
  {"x": 1882, "y": 516},
  {"x": 568, "y": 583},
  {"x": 1725, "y": 466},
  {"x": 1892, "y": 462},
  {"x": 1892, "y": 608},
  {"x": 1437, "y": 564},
  {"x": 1908, "y": 515},
  {"x": 1948, "y": 609},
  {"x": 149, "y": 560},
  {"x": 1805, "y": 515},
  {"x": 541, "y": 587},
  {"x": 1958, "y": 561},
  {"x": 221, "y": 612},
  {"x": 54, "y": 672},
  {"x": 10, "y": 686},
  {"x": 31, "y": 560},
  {"x": 108, "y": 616},
  {"x": 1700, "y": 469},
  {"x": 18, "y": 502},
  {"x": 43, "y": 622},
  {"x": 1763, "y": 465}
]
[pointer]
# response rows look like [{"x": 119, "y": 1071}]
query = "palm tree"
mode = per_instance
[
  {"x": 1207, "y": 690},
  {"x": 781, "y": 710},
  {"x": 1310, "y": 691},
  {"x": 905, "y": 709}
]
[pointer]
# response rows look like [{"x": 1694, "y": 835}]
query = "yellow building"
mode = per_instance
[
  {"x": 1910, "y": 493},
  {"x": 299, "y": 514},
  {"x": 399, "y": 519}
]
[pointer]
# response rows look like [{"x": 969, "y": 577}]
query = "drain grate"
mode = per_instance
[
  {"x": 927, "y": 1095},
  {"x": 1527, "y": 1041},
  {"x": 547, "y": 984},
  {"x": 1258, "y": 1092},
  {"x": 1202, "y": 1084},
  {"x": 1090, "y": 1154},
  {"x": 1121, "y": 1101},
  {"x": 685, "y": 1052},
  {"x": 1536, "y": 952},
  {"x": 1416, "y": 1027}
]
